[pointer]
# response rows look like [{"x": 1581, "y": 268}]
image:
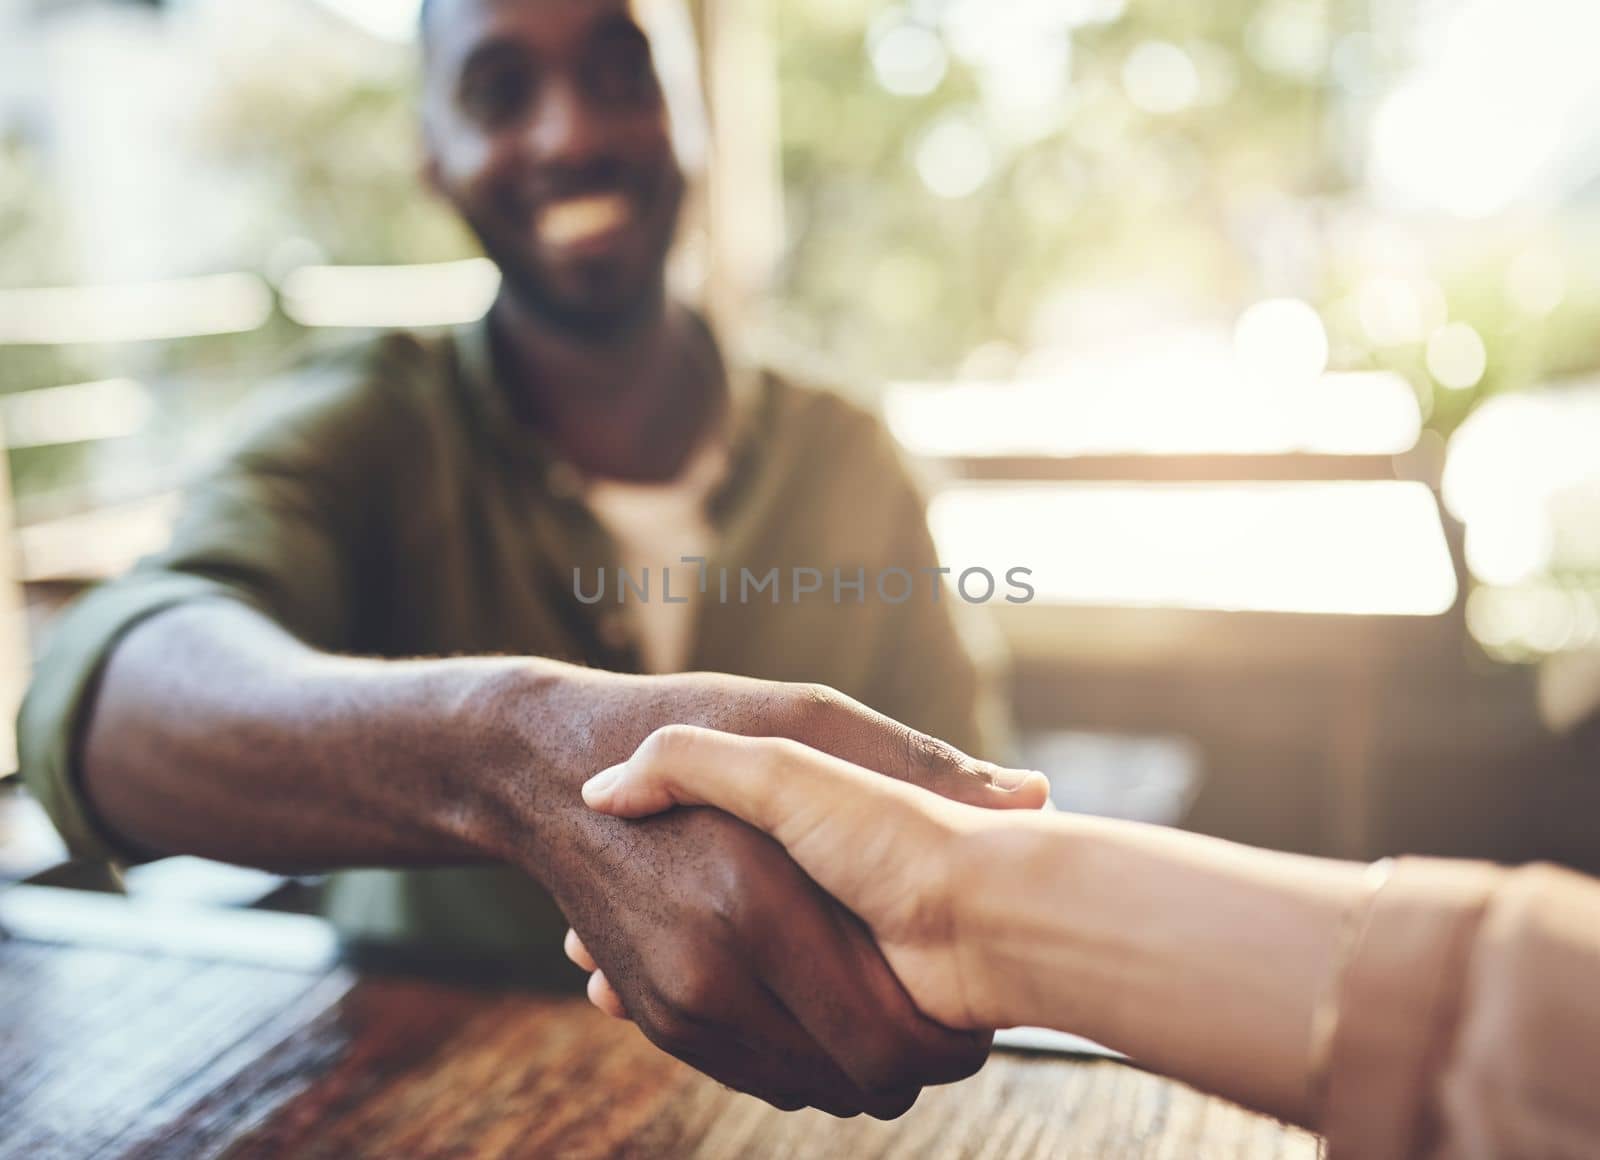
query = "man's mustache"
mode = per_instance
[{"x": 560, "y": 184}]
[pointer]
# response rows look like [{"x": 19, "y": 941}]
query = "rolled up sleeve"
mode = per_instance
[
  {"x": 52, "y": 716},
  {"x": 275, "y": 526},
  {"x": 1524, "y": 1076},
  {"x": 1469, "y": 1018}
]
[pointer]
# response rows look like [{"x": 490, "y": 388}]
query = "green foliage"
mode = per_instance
[
  {"x": 338, "y": 165},
  {"x": 891, "y": 276},
  {"x": 1197, "y": 211}
]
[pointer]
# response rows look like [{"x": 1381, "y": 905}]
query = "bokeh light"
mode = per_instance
[
  {"x": 1160, "y": 77},
  {"x": 1290, "y": 37},
  {"x": 1508, "y": 547},
  {"x": 1536, "y": 282},
  {"x": 1457, "y": 357},
  {"x": 1330, "y": 548},
  {"x": 390, "y": 19},
  {"x": 1398, "y": 311},
  {"x": 1281, "y": 342},
  {"x": 954, "y": 157},
  {"x": 909, "y": 60}
]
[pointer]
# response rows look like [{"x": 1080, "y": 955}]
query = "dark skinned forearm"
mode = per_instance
[{"x": 215, "y": 733}]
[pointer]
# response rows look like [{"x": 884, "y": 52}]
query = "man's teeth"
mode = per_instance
[{"x": 580, "y": 219}]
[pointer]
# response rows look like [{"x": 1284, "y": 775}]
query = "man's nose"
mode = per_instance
[{"x": 564, "y": 129}]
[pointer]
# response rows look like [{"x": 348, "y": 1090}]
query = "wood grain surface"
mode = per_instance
[{"x": 112, "y": 1053}]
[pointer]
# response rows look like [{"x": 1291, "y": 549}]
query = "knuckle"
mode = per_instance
[
  {"x": 835, "y": 1108},
  {"x": 817, "y": 704},
  {"x": 668, "y": 742},
  {"x": 784, "y": 1103},
  {"x": 691, "y": 995},
  {"x": 729, "y": 911},
  {"x": 774, "y": 755},
  {"x": 670, "y": 1029},
  {"x": 731, "y": 906},
  {"x": 891, "y": 1105},
  {"x": 824, "y": 696},
  {"x": 930, "y": 757},
  {"x": 825, "y": 718}
]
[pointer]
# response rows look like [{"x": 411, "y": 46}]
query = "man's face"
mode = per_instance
[{"x": 546, "y": 128}]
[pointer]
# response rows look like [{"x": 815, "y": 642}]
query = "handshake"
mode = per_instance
[{"x": 798, "y": 941}]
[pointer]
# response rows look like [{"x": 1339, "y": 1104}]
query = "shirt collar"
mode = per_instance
[{"x": 492, "y": 408}]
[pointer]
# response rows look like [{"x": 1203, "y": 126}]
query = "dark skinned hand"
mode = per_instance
[{"x": 720, "y": 948}]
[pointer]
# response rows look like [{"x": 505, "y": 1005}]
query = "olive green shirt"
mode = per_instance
[{"x": 391, "y": 505}]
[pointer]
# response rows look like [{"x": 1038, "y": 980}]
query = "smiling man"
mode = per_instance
[{"x": 251, "y": 695}]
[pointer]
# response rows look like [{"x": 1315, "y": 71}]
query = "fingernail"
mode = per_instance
[
  {"x": 1012, "y": 780},
  {"x": 600, "y": 785}
]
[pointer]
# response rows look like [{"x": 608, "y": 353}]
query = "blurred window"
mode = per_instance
[
  {"x": 1063, "y": 229},
  {"x": 1081, "y": 229}
]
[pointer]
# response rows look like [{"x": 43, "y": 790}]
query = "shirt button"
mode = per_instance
[{"x": 563, "y": 481}]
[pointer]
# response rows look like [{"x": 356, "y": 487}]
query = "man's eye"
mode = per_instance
[
  {"x": 496, "y": 97},
  {"x": 621, "y": 72}
]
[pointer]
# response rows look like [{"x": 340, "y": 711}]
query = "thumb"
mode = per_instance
[
  {"x": 778, "y": 786},
  {"x": 880, "y": 846},
  {"x": 852, "y": 731}
]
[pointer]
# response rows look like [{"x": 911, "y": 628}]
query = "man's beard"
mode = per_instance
[
  {"x": 616, "y": 311},
  {"x": 590, "y": 323}
]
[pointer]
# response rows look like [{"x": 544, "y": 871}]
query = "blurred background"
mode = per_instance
[{"x": 1267, "y": 332}]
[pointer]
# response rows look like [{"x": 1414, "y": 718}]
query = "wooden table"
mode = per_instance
[{"x": 109, "y": 1051}]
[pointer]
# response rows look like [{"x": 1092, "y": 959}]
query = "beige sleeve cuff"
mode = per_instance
[
  {"x": 1524, "y": 1077},
  {"x": 1399, "y": 1000}
]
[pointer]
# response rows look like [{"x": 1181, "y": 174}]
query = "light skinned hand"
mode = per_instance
[
  {"x": 720, "y": 948},
  {"x": 887, "y": 850}
]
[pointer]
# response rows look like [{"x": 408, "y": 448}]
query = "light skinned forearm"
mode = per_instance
[
  {"x": 216, "y": 733},
  {"x": 1202, "y": 959}
]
